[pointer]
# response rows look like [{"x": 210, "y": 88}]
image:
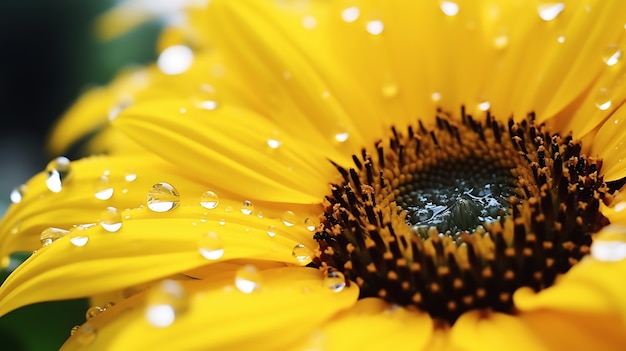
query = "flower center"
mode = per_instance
[{"x": 458, "y": 216}]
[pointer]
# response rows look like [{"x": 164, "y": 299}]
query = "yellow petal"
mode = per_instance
[
  {"x": 148, "y": 246},
  {"x": 371, "y": 324},
  {"x": 288, "y": 304},
  {"x": 221, "y": 147},
  {"x": 609, "y": 143}
]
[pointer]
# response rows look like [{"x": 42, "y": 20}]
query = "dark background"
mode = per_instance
[{"x": 49, "y": 54}]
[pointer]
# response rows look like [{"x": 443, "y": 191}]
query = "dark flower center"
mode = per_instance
[{"x": 458, "y": 216}]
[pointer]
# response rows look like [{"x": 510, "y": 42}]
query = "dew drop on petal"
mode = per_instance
[
  {"x": 603, "y": 101},
  {"x": 375, "y": 27},
  {"x": 436, "y": 96},
  {"x": 350, "y": 14},
  {"x": 130, "y": 177},
  {"x": 501, "y": 41},
  {"x": 289, "y": 218},
  {"x": 612, "y": 55},
  {"x": 85, "y": 335},
  {"x": 210, "y": 246},
  {"x": 550, "y": 11},
  {"x": 247, "y": 279},
  {"x": 175, "y": 59},
  {"x": 610, "y": 244},
  {"x": 164, "y": 303},
  {"x": 309, "y": 22},
  {"x": 449, "y": 8},
  {"x": 58, "y": 172},
  {"x": 335, "y": 281},
  {"x": 111, "y": 220},
  {"x": 17, "y": 194},
  {"x": 247, "y": 208},
  {"x": 93, "y": 311},
  {"x": 310, "y": 224},
  {"x": 162, "y": 197},
  {"x": 302, "y": 253},
  {"x": 50, "y": 235},
  {"x": 484, "y": 106},
  {"x": 273, "y": 143},
  {"x": 271, "y": 231},
  {"x": 561, "y": 39},
  {"x": 209, "y": 105},
  {"x": 342, "y": 137},
  {"x": 103, "y": 190},
  {"x": 79, "y": 240},
  {"x": 209, "y": 200}
]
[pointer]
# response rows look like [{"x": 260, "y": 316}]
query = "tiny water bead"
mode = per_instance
[
  {"x": 457, "y": 215},
  {"x": 449, "y": 8},
  {"x": 612, "y": 55},
  {"x": 610, "y": 244},
  {"x": 93, "y": 311},
  {"x": 103, "y": 190},
  {"x": 85, "y": 335},
  {"x": 247, "y": 208},
  {"x": 302, "y": 253},
  {"x": 162, "y": 197},
  {"x": 50, "y": 235},
  {"x": 210, "y": 246},
  {"x": 111, "y": 219},
  {"x": 165, "y": 302},
  {"x": 550, "y": 11},
  {"x": 17, "y": 194},
  {"x": 350, "y": 14},
  {"x": 335, "y": 281},
  {"x": 175, "y": 59},
  {"x": 248, "y": 279},
  {"x": 58, "y": 171},
  {"x": 209, "y": 200},
  {"x": 289, "y": 218},
  {"x": 375, "y": 27}
]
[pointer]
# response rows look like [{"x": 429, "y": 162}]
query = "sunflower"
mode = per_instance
[{"x": 343, "y": 175}]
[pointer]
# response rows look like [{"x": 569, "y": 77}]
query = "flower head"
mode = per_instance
[{"x": 343, "y": 175}]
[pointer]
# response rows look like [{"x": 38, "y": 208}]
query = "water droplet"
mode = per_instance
[
  {"x": 50, "y": 235},
  {"x": 259, "y": 214},
  {"x": 85, "y": 335},
  {"x": 209, "y": 200},
  {"x": 111, "y": 219},
  {"x": 17, "y": 194},
  {"x": 561, "y": 39},
  {"x": 210, "y": 246},
  {"x": 247, "y": 207},
  {"x": 603, "y": 101},
  {"x": 449, "y": 8},
  {"x": 310, "y": 224},
  {"x": 501, "y": 41},
  {"x": 58, "y": 172},
  {"x": 175, "y": 60},
  {"x": 130, "y": 177},
  {"x": 273, "y": 143},
  {"x": 550, "y": 11},
  {"x": 309, "y": 22},
  {"x": 389, "y": 90},
  {"x": 103, "y": 189},
  {"x": 302, "y": 253},
  {"x": 610, "y": 244},
  {"x": 209, "y": 105},
  {"x": 247, "y": 279},
  {"x": 335, "y": 281},
  {"x": 164, "y": 303},
  {"x": 74, "y": 329},
  {"x": 271, "y": 231},
  {"x": 620, "y": 206},
  {"x": 289, "y": 218},
  {"x": 375, "y": 27},
  {"x": 612, "y": 55},
  {"x": 436, "y": 96},
  {"x": 484, "y": 106},
  {"x": 351, "y": 14},
  {"x": 78, "y": 239},
  {"x": 342, "y": 137},
  {"x": 162, "y": 197},
  {"x": 93, "y": 311}
]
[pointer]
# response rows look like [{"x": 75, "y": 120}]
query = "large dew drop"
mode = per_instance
[
  {"x": 247, "y": 279},
  {"x": 302, "y": 253},
  {"x": 209, "y": 200},
  {"x": 162, "y": 197},
  {"x": 58, "y": 171},
  {"x": 50, "y": 235},
  {"x": 210, "y": 246},
  {"x": 335, "y": 281},
  {"x": 111, "y": 219},
  {"x": 103, "y": 190},
  {"x": 165, "y": 302}
]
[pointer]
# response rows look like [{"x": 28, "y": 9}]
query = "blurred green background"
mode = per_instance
[{"x": 48, "y": 56}]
